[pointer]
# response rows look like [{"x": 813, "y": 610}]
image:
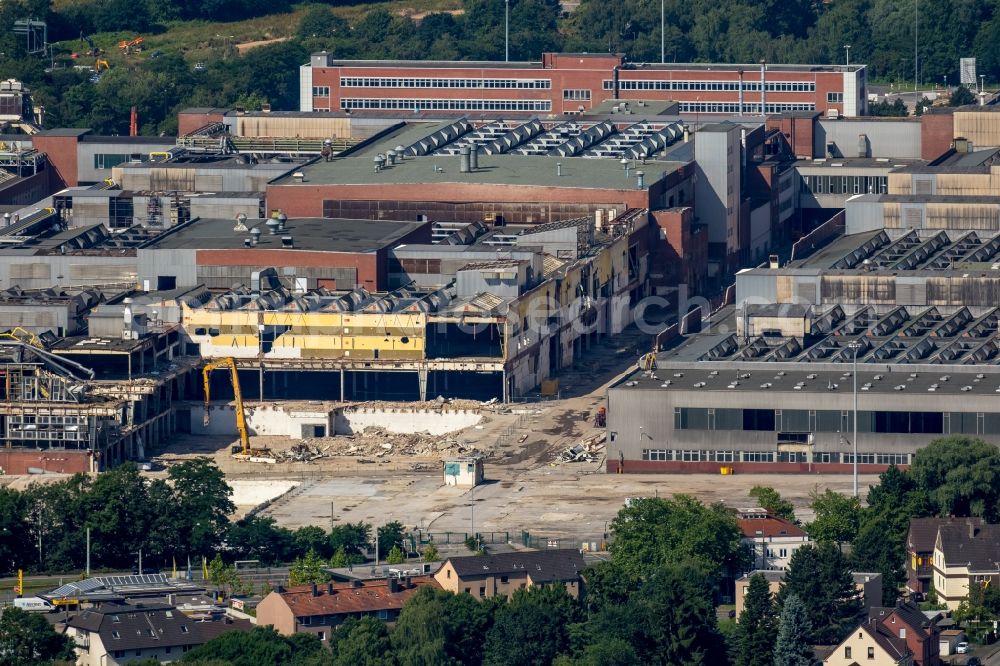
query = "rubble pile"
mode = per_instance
[
  {"x": 589, "y": 450},
  {"x": 373, "y": 442}
]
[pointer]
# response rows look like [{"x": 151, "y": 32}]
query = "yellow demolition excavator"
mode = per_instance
[{"x": 243, "y": 451}]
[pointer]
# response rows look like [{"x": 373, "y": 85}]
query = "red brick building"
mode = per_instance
[{"x": 569, "y": 83}]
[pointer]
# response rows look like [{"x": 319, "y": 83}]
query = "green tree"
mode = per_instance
[
  {"x": 758, "y": 622},
  {"x": 15, "y": 544},
  {"x": 395, "y": 556},
  {"x": 261, "y": 645},
  {"x": 390, "y": 536},
  {"x": 221, "y": 574},
  {"x": 26, "y": 639},
  {"x": 668, "y": 618},
  {"x": 259, "y": 538},
  {"x": 792, "y": 646},
  {"x": 771, "y": 500},
  {"x": 654, "y": 532},
  {"x": 203, "y": 503},
  {"x": 820, "y": 576},
  {"x": 960, "y": 96},
  {"x": 438, "y": 627},
  {"x": 308, "y": 569},
  {"x": 837, "y": 517},
  {"x": 339, "y": 559},
  {"x": 881, "y": 546},
  {"x": 430, "y": 553},
  {"x": 311, "y": 537},
  {"x": 353, "y": 538},
  {"x": 531, "y": 629},
  {"x": 961, "y": 476},
  {"x": 361, "y": 642},
  {"x": 319, "y": 21}
]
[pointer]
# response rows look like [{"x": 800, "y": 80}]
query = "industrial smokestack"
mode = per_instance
[{"x": 464, "y": 157}]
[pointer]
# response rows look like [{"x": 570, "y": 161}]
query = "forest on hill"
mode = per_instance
[{"x": 192, "y": 55}]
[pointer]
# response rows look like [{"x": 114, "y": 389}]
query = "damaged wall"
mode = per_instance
[{"x": 300, "y": 421}]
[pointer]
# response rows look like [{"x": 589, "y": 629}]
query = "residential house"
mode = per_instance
[
  {"x": 920, "y": 550},
  {"x": 487, "y": 576},
  {"x": 318, "y": 609},
  {"x": 906, "y": 621},
  {"x": 966, "y": 553},
  {"x": 871, "y": 644},
  {"x": 868, "y": 585},
  {"x": 119, "y": 633},
  {"x": 771, "y": 540}
]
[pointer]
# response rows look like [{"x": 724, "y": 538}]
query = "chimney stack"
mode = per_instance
[
  {"x": 315, "y": 590},
  {"x": 474, "y": 157},
  {"x": 464, "y": 165}
]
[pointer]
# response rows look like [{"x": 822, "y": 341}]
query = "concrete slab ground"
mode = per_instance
[{"x": 528, "y": 487}]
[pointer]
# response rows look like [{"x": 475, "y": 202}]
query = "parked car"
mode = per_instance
[
  {"x": 974, "y": 661},
  {"x": 962, "y": 648}
]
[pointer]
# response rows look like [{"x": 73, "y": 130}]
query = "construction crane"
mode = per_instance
[{"x": 243, "y": 451}]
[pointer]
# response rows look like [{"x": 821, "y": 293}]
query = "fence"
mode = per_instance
[
  {"x": 421, "y": 538},
  {"x": 508, "y": 433}
]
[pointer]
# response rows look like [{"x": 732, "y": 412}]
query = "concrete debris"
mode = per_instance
[
  {"x": 589, "y": 450},
  {"x": 373, "y": 442}
]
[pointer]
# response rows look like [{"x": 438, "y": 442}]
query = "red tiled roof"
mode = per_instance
[
  {"x": 755, "y": 528},
  {"x": 370, "y": 596}
]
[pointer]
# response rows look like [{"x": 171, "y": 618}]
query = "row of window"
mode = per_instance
[
  {"x": 712, "y": 86},
  {"x": 396, "y": 82},
  {"x": 790, "y": 422},
  {"x": 449, "y": 104},
  {"x": 321, "y": 91},
  {"x": 685, "y": 455},
  {"x": 748, "y": 107},
  {"x": 581, "y": 95},
  {"x": 845, "y": 184}
]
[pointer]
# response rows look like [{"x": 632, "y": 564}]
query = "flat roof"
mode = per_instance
[
  {"x": 505, "y": 169},
  {"x": 526, "y": 170},
  {"x": 953, "y": 340},
  {"x": 859, "y": 162},
  {"x": 308, "y": 233},
  {"x": 749, "y": 68}
]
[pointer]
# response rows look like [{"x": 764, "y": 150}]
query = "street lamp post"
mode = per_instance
[
  {"x": 855, "y": 346},
  {"x": 847, "y": 47},
  {"x": 982, "y": 83},
  {"x": 506, "y": 31},
  {"x": 663, "y": 36}
]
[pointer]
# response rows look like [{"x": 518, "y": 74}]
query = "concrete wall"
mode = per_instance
[
  {"x": 900, "y": 138},
  {"x": 273, "y": 419},
  {"x": 348, "y": 421},
  {"x": 66, "y": 270},
  {"x": 180, "y": 264}
]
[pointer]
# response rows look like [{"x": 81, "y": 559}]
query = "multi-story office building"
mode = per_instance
[{"x": 570, "y": 83}]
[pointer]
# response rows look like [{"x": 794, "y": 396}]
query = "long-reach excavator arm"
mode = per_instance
[{"x": 241, "y": 417}]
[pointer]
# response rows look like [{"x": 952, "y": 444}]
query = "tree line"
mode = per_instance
[
  {"x": 184, "y": 516},
  {"x": 880, "y": 33}
]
